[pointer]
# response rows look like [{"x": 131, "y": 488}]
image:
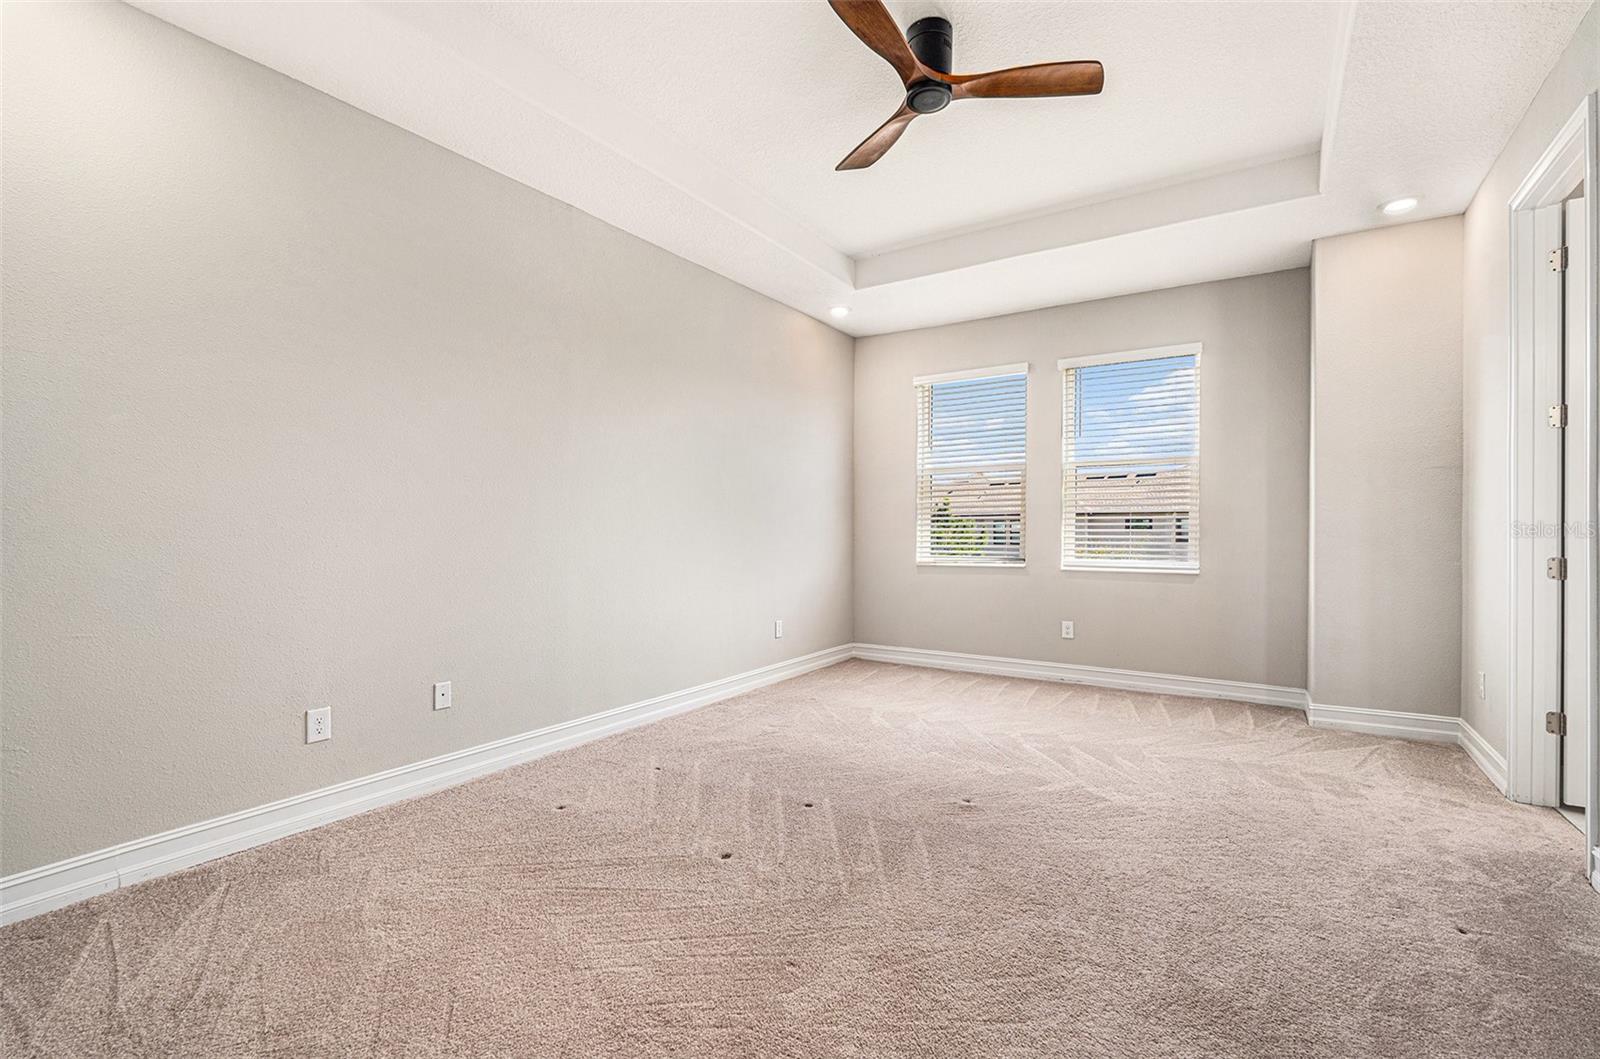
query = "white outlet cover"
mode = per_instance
[
  {"x": 1066, "y": 631},
  {"x": 319, "y": 724},
  {"x": 777, "y": 629},
  {"x": 441, "y": 695}
]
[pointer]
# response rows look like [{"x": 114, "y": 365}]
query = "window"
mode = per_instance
[
  {"x": 972, "y": 440},
  {"x": 1130, "y": 461}
]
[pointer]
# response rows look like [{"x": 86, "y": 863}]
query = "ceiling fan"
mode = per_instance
[{"x": 922, "y": 59}]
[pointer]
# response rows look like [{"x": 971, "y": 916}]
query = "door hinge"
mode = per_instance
[
  {"x": 1558, "y": 259},
  {"x": 1555, "y": 722},
  {"x": 1558, "y": 416},
  {"x": 1556, "y": 568}
]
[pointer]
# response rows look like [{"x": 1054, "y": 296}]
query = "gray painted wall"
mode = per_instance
[
  {"x": 1486, "y": 346},
  {"x": 1243, "y": 617},
  {"x": 1386, "y": 479},
  {"x": 301, "y": 410}
]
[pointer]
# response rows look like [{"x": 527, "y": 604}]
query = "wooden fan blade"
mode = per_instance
[
  {"x": 871, "y": 21},
  {"x": 877, "y": 145},
  {"x": 1020, "y": 82}
]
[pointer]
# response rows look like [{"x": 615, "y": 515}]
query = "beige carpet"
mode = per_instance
[{"x": 869, "y": 861}]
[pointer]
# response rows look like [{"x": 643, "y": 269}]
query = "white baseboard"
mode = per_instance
[
  {"x": 1127, "y": 679},
  {"x": 1427, "y": 727},
  {"x": 1486, "y": 757},
  {"x": 56, "y": 885}
]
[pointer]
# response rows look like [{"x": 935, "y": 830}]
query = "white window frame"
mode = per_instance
[
  {"x": 1185, "y": 349},
  {"x": 1024, "y": 369}
]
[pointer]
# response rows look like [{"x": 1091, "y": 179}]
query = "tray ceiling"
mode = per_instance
[{"x": 1229, "y": 135}]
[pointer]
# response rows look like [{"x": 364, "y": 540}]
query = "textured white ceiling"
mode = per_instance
[
  {"x": 1229, "y": 135},
  {"x": 779, "y": 92}
]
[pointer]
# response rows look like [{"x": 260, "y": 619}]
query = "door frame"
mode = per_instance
[{"x": 1533, "y": 757}]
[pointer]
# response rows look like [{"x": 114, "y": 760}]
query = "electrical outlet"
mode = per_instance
[
  {"x": 319, "y": 724},
  {"x": 1066, "y": 630},
  {"x": 441, "y": 695},
  {"x": 1483, "y": 685},
  {"x": 777, "y": 629}
]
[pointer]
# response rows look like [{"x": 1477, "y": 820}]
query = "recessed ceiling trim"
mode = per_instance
[
  {"x": 425, "y": 86},
  {"x": 540, "y": 78},
  {"x": 1218, "y": 247},
  {"x": 1341, "y": 60},
  {"x": 1242, "y": 189},
  {"x": 1405, "y": 111}
]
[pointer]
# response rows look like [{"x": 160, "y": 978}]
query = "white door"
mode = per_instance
[
  {"x": 1543, "y": 632},
  {"x": 1575, "y": 544}
]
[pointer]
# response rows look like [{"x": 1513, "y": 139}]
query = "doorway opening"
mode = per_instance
[{"x": 1552, "y": 729}]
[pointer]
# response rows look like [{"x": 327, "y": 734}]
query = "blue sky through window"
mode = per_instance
[
  {"x": 1137, "y": 411},
  {"x": 978, "y": 421}
]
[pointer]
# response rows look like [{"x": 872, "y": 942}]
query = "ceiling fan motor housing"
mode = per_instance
[{"x": 932, "y": 43}]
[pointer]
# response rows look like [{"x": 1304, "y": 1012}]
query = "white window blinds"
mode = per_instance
[
  {"x": 1130, "y": 460},
  {"x": 972, "y": 441}
]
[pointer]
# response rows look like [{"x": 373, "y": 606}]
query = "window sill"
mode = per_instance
[
  {"x": 979, "y": 566},
  {"x": 1132, "y": 568}
]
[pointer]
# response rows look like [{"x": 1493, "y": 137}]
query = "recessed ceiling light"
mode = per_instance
[
  {"x": 1399, "y": 206},
  {"x": 839, "y": 312}
]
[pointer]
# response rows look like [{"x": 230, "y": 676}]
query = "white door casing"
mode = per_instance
[
  {"x": 1576, "y": 526},
  {"x": 1535, "y": 683}
]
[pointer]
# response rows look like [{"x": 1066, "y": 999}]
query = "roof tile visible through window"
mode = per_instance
[
  {"x": 1130, "y": 461},
  {"x": 972, "y": 469}
]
